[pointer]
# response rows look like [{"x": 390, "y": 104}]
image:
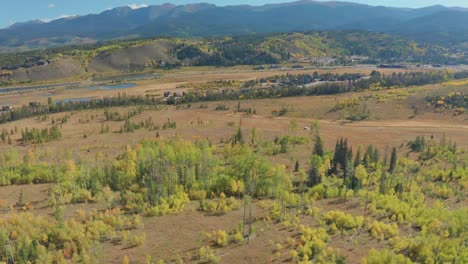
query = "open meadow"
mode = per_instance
[{"x": 377, "y": 175}]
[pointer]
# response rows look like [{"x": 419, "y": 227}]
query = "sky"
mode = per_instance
[{"x": 23, "y": 10}]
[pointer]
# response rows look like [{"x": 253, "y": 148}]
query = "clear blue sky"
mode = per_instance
[{"x": 23, "y": 10}]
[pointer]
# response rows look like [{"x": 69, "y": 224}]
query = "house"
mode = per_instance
[
  {"x": 13, "y": 67},
  {"x": 391, "y": 66},
  {"x": 357, "y": 58},
  {"x": 42, "y": 63},
  {"x": 323, "y": 61},
  {"x": 34, "y": 104},
  {"x": 7, "y": 108}
]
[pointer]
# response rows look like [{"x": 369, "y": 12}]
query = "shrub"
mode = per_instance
[
  {"x": 221, "y": 238},
  {"x": 385, "y": 256},
  {"x": 207, "y": 254},
  {"x": 343, "y": 221},
  {"x": 383, "y": 231},
  {"x": 220, "y": 205}
]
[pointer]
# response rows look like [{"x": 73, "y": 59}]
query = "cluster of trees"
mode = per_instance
[
  {"x": 37, "y": 109},
  {"x": 36, "y": 135},
  {"x": 116, "y": 116},
  {"x": 158, "y": 177},
  {"x": 452, "y": 100},
  {"x": 350, "y": 83},
  {"x": 342, "y": 164},
  {"x": 376, "y": 80},
  {"x": 29, "y": 238}
]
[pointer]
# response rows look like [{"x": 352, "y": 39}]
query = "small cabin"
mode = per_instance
[
  {"x": 7, "y": 108},
  {"x": 42, "y": 63},
  {"x": 34, "y": 104}
]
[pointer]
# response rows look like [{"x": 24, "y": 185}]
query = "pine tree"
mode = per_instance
[
  {"x": 368, "y": 155},
  {"x": 383, "y": 183},
  {"x": 357, "y": 160},
  {"x": 253, "y": 137},
  {"x": 393, "y": 161},
  {"x": 385, "y": 160},
  {"x": 318, "y": 146},
  {"x": 335, "y": 156},
  {"x": 238, "y": 137},
  {"x": 314, "y": 171},
  {"x": 342, "y": 156},
  {"x": 296, "y": 166},
  {"x": 376, "y": 156}
]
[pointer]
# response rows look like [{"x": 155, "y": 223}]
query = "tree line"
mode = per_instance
[
  {"x": 375, "y": 80},
  {"x": 344, "y": 83}
]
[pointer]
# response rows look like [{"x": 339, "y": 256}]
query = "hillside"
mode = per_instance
[
  {"x": 313, "y": 48},
  {"x": 203, "y": 20},
  {"x": 441, "y": 28}
]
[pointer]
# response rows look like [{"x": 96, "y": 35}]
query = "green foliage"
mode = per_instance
[
  {"x": 418, "y": 144},
  {"x": 338, "y": 220},
  {"x": 453, "y": 100},
  {"x": 318, "y": 146},
  {"x": 157, "y": 177},
  {"x": 220, "y": 205},
  {"x": 207, "y": 255},
  {"x": 39, "y": 136},
  {"x": 382, "y": 230},
  {"x": 385, "y": 256},
  {"x": 313, "y": 246},
  {"x": 33, "y": 238}
]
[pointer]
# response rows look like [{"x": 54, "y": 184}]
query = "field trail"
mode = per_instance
[
  {"x": 405, "y": 124},
  {"x": 379, "y": 133},
  {"x": 376, "y": 124}
]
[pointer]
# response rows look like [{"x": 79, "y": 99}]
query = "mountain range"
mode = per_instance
[{"x": 436, "y": 24}]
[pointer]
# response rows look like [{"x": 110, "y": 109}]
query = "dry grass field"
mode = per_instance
[{"x": 396, "y": 117}]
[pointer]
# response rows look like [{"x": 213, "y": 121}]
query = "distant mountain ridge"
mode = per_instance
[{"x": 444, "y": 25}]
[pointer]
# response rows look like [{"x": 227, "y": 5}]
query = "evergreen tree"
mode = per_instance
[
  {"x": 296, "y": 166},
  {"x": 385, "y": 160},
  {"x": 368, "y": 156},
  {"x": 376, "y": 156},
  {"x": 238, "y": 137},
  {"x": 318, "y": 146},
  {"x": 383, "y": 183},
  {"x": 314, "y": 172},
  {"x": 342, "y": 155},
  {"x": 357, "y": 160},
  {"x": 393, "y": 161}
]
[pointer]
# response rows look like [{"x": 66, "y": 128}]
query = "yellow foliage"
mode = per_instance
[
  {"x": 221, "y": 238},
  {"x": 383, "y": 231}
]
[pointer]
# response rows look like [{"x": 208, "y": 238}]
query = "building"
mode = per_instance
[{"x": 7, "y": 108}]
